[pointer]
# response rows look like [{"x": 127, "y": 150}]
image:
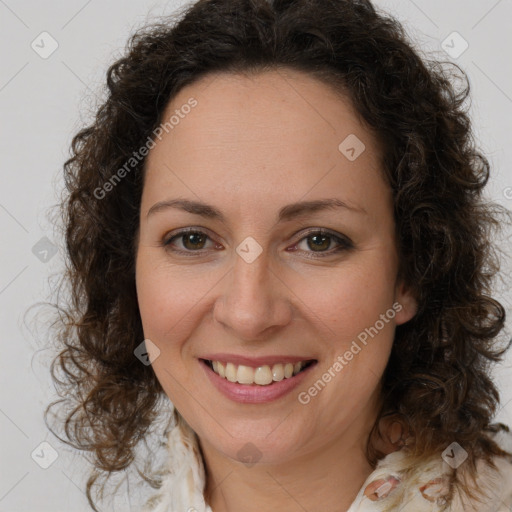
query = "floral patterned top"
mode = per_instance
[{"x": 394, "y": 485}]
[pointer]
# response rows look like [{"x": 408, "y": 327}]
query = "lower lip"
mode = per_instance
[{"x": 254, "y": 393}]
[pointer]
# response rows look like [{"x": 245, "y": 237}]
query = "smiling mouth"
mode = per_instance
[{"x": 264, "y": 375}]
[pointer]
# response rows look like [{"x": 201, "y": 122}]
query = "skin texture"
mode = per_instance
[{"x": 251, "y": 146}]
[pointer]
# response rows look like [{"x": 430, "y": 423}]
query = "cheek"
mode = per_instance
[
  {"x": 349, "y": 299},
  {"x": 167, "y": 299},
  {"x": 169, "y": 305},
  {"x": 356, "y": 322}
]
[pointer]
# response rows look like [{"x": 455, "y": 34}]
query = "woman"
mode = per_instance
[{"x": 276, "y": 223}]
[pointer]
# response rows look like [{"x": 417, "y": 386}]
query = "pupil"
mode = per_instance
[
  {"x": 324, "y": 242},
  {"x": 193, "y": 239}
]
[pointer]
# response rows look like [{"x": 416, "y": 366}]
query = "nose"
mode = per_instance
[{"x": 254, "y": 301}]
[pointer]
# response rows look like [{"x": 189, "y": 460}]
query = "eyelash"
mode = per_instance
[{"x": 344, "y": 243}]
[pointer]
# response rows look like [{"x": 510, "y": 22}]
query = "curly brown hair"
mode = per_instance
[{"x": 438, "y": 376}]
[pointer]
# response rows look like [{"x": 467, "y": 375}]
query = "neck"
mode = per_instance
[{"x": 327, "y": 479}]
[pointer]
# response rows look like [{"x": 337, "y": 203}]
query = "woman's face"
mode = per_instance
[{"x": 260, "y": 166}]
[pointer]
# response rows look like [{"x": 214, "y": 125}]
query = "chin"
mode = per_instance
[{"x": 268, "y": 444}]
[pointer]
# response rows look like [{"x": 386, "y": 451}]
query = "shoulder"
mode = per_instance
[
  {"x": 395, "y": 484},
  {"x": 183, "y": 476},
  {"x": 436, "y": 484}
]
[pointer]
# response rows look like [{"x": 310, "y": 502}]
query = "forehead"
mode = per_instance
[{"x": 271, "y": 133}]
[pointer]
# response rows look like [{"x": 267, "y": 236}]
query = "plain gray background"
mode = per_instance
[{"x": 44, "y": 101}]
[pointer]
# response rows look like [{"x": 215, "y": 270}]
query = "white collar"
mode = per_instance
[{"x": 184, "y": 481}]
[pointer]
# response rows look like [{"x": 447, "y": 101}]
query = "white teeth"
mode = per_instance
[
  {"x": 245, "y": 375},
  {"x": 277, "y": 372},
  {"x": 231, "y": 372},
  {"x": 263, "y": 375}
]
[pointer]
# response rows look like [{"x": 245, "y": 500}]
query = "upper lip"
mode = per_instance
[{"x": 255, "y": 362}]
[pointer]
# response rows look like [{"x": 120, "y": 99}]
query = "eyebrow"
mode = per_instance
[{"x": 286, "y": 213}]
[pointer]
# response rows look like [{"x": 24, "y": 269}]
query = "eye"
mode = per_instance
[
  {"x": 190, "y": 239},
  {"x": 320, "y": 241}
]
